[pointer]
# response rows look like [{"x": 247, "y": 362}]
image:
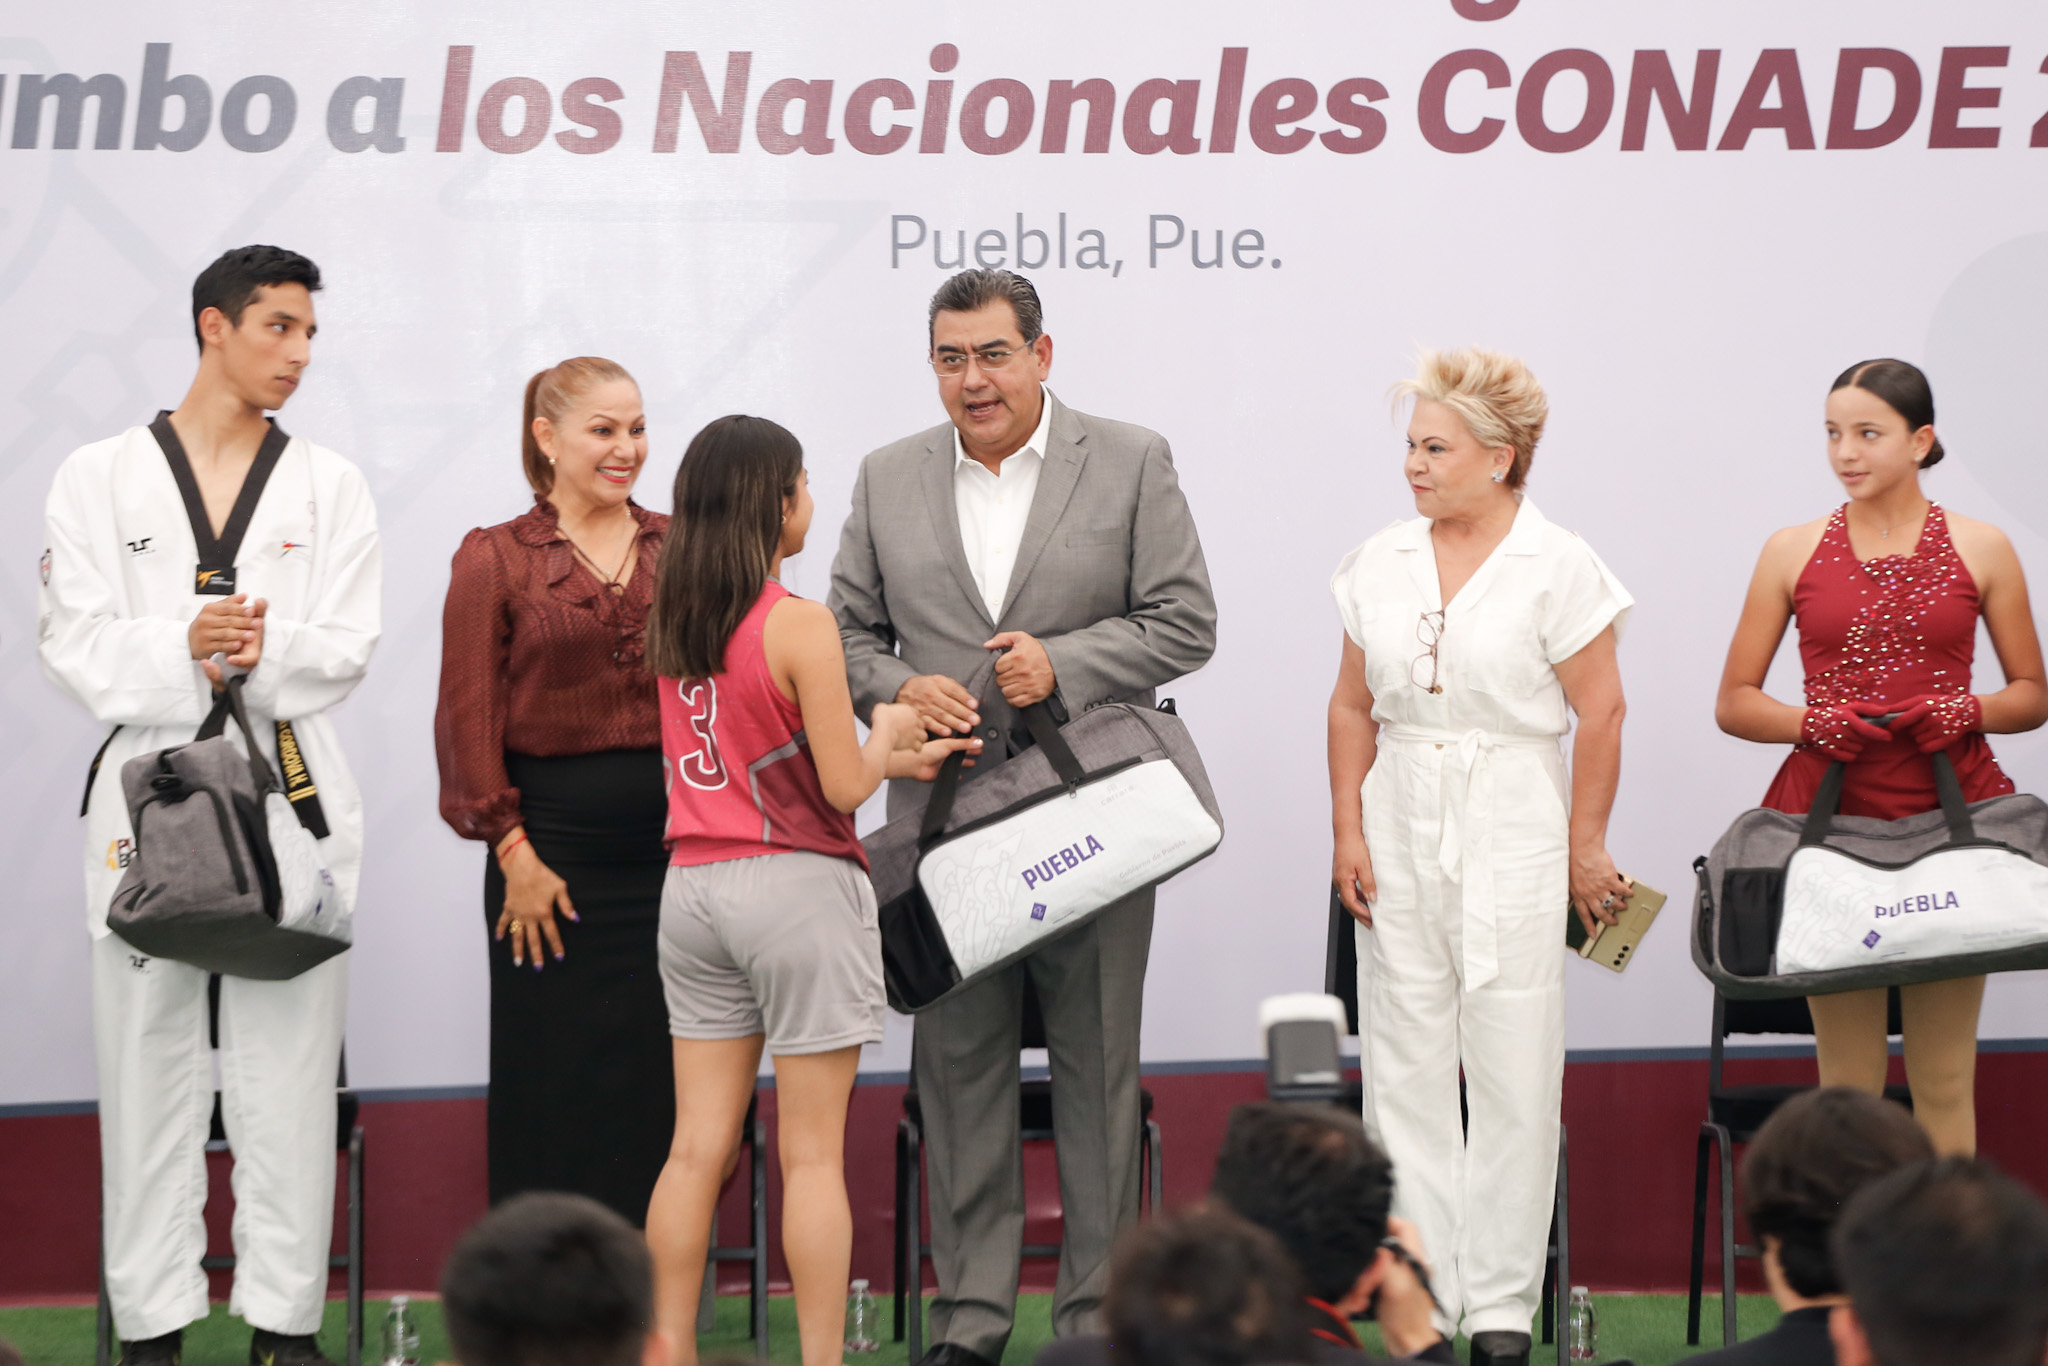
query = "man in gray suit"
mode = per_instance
[{"x": 1062, "y": 540}]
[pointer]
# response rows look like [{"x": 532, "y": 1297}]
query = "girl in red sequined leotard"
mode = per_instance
[
  {"x": 1892, "y": 631},
  {"x": 1884, "y": 628}
]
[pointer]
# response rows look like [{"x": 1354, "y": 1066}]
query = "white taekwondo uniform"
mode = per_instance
[
  {"x": 1465, "y": 820},
  {"x": 119, "y": 576}
]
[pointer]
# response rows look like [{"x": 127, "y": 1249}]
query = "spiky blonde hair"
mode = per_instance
[{"x": 1493, "y": 393}]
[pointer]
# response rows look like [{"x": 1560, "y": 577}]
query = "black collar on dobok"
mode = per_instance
[{"x": 215, "y": 573}]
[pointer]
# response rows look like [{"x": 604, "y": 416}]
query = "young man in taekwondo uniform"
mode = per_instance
[{"x": 204, "y": 544}]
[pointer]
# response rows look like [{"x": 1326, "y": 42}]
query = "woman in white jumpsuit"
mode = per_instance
[
  {"x": 119, "y": 596},
  {"x": 1467, "y": 632}
]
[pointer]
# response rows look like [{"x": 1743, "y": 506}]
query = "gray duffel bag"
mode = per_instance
[
  {"x": 1001, "y": 862},
  {"x": 1954, "y": 892},
  {"x": 223, "y": 875}
]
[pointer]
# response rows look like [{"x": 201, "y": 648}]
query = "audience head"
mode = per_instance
[
  {"x": 1312, "y": 1177},
  {"x": 1478, "y": 414},
  {"x": 1206, "y": 1288},
  {"x": 991, "y": 354},
  {"x": 1944, "y": 1261},
  {"x": 740, "y": 500},
  {"x": 1883, "y": 410},
  {"x": 551, "y": 1280},
  {"x": 585, "y": 432},
  {"x": 1820, "y": 1148},
  {"x": 8, "y": 1355}
]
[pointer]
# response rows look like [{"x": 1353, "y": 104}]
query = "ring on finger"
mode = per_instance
[{"x": 1607, "y": 902}]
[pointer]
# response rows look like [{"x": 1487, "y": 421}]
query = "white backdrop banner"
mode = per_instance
[{"x": 1688, "y": 217}]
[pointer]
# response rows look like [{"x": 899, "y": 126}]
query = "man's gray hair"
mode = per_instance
[{"x": 973, "y": 290}]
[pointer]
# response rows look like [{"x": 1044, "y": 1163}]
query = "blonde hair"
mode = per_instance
[
  {"x": 549, "y": 394},
  {"x": 1493, "y": 393}
]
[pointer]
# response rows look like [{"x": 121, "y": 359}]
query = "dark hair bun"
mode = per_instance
[{"x": 1903, "y": 387}]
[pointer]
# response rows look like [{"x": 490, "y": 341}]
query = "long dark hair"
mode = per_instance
[
  {"x": 726, "y": 523},
  {"x": 1904, "y": 388}
]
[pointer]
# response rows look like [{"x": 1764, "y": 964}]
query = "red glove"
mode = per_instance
[
  {"x": 1841, "y": 732},
  {"x": 1936, "y": 721}
]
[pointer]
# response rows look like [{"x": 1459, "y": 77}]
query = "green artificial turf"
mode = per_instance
[{"x": 1648, "y": 1329}]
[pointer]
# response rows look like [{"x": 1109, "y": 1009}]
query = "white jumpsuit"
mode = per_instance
[
  {"x": 117, "y": 599},
  {"x": 1465, "y": 820}
]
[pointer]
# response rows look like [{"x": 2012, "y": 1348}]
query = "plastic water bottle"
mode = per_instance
[
  {"x": 1585, "y": 1334},
  {"x": 401, "y": 1333},
  {"x": 862, "y": 1320}
]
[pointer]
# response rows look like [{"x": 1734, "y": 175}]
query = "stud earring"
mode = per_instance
[
  {"x": 551, "y": 462},
  {"x": 1500, "y": 476}
]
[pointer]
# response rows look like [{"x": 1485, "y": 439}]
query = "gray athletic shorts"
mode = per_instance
[{"x": 783, "y": 944}]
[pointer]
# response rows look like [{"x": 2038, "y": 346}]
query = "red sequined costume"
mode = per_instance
[{"x": 1885, "y": 630}]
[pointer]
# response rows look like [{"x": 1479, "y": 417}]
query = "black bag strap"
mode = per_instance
[
  {"x": 946, "y": 786},
  {"x": 297, "y": 785},
  {"x": 1045, "y": 733},
  {"x": 1827, "y": 803},
  {"x": 228, "y": 702},
  {"x": 1953, "y": 808},
  {"x": 224, "y": 549}
]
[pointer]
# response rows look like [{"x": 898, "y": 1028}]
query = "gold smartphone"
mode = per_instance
[{"x": 1615, "y": 944}]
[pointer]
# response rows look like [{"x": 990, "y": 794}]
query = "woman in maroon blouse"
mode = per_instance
[
  {"x": 549, "y": 740},
  {"x": 1887, "y": 591}
]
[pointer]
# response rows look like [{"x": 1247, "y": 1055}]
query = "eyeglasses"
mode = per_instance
[
  {"x": 1430, "y": 631},
  {"x": 988, "y": 358}
]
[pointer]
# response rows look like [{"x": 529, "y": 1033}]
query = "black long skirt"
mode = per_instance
[{"x": 582, "y": 1091}]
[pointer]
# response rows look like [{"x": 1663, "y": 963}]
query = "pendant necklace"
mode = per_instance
[{"x": 611, "y": 580}]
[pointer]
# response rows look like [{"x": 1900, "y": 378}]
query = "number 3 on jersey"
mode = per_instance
[{"x": 703, "y": 767}]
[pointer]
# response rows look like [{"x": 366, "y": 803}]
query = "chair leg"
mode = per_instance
[
  {"x": 760, "y": 1260},
  {"x": 707, "y": 1294},
  {"x": 1697, "y": 1281},
  {"x": 897, "y": 1277},
  {"x": 1727, "y": 1237},
  {"x": 912, "y": 1269},
  {"x": 103, "y": 1352},
  {"x": 1155, "y": 1150},
  {"x": 355, "y": 1246},
  {"x": 1563, "y": 1217}
]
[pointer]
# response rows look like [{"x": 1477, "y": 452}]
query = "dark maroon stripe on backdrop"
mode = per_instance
[{"x": 1632, "y": 1122}]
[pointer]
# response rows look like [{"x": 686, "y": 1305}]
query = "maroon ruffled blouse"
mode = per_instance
[{"x": 538, "y": 656}]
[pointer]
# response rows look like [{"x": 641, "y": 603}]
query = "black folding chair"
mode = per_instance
[
  {"x": 1734, "y": 1114},
  {"x": 754, "y": 1138},
  {"x": 1034, "y": 1104}
]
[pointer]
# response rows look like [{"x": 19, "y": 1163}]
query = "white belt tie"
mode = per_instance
[{"x": 1465, "y": 852}]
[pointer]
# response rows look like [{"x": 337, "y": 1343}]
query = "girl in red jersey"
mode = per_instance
[
  {"x": 768, "y": 927},
  {"x": 1888, "y": 590}
]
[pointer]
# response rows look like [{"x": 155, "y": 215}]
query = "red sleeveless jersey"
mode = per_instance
[{"x": 740, "y": 778}]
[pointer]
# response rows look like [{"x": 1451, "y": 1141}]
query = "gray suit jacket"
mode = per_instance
[{"x": 1109, "y": 576}]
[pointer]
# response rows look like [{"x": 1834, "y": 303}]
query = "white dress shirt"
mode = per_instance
[{"x": 994, "y": 507}]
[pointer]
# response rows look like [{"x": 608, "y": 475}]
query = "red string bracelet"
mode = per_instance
[{"x": 510, "y": 847}]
